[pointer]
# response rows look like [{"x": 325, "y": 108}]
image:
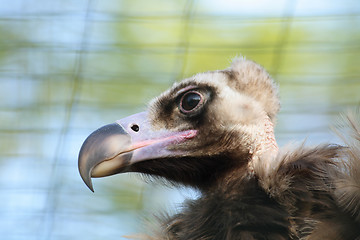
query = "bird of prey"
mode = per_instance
[{"x": 214, "y": 132}]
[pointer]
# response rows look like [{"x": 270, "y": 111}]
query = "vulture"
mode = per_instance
[{"x": 214, "y": 132}]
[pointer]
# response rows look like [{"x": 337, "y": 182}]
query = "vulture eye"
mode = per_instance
[{"x": 190, "y": 101}]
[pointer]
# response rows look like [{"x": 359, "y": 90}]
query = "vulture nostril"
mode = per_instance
[{"x": 135, "y": 127}]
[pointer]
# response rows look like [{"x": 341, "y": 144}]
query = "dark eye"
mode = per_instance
[{"x": 190, "y": 101}]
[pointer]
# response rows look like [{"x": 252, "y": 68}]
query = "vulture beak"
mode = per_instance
[{"x": 113, "y": 148}]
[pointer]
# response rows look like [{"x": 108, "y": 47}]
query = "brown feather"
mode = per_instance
[{"x": 348, "y": 185}]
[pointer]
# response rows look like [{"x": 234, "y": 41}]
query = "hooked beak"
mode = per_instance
[{"x": 113, "y": 148}]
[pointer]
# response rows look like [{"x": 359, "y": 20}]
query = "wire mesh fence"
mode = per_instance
[{"x": 68, "y": 67}]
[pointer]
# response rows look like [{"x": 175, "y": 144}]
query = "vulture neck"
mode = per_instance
[
  {"x": 261, "y": 153},
  {"x": 264, "y": 149}
]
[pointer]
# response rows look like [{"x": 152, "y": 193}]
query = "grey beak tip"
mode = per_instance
[
  {"x": 88, "y": 183},
  {"x": 95, "y": 149},
  {"x": 90, "y": 187},
  {"x": 87, "y": 179}
]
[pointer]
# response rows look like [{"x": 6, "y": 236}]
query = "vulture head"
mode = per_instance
[
  {"x": 214, "y": 132},
  {"x": 197, "y": 133}
]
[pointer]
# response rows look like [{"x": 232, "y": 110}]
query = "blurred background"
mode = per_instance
[{"x": 69, "y": 67}]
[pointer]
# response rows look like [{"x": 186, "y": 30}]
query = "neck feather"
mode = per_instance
[{"x": 264, "y": 149}]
